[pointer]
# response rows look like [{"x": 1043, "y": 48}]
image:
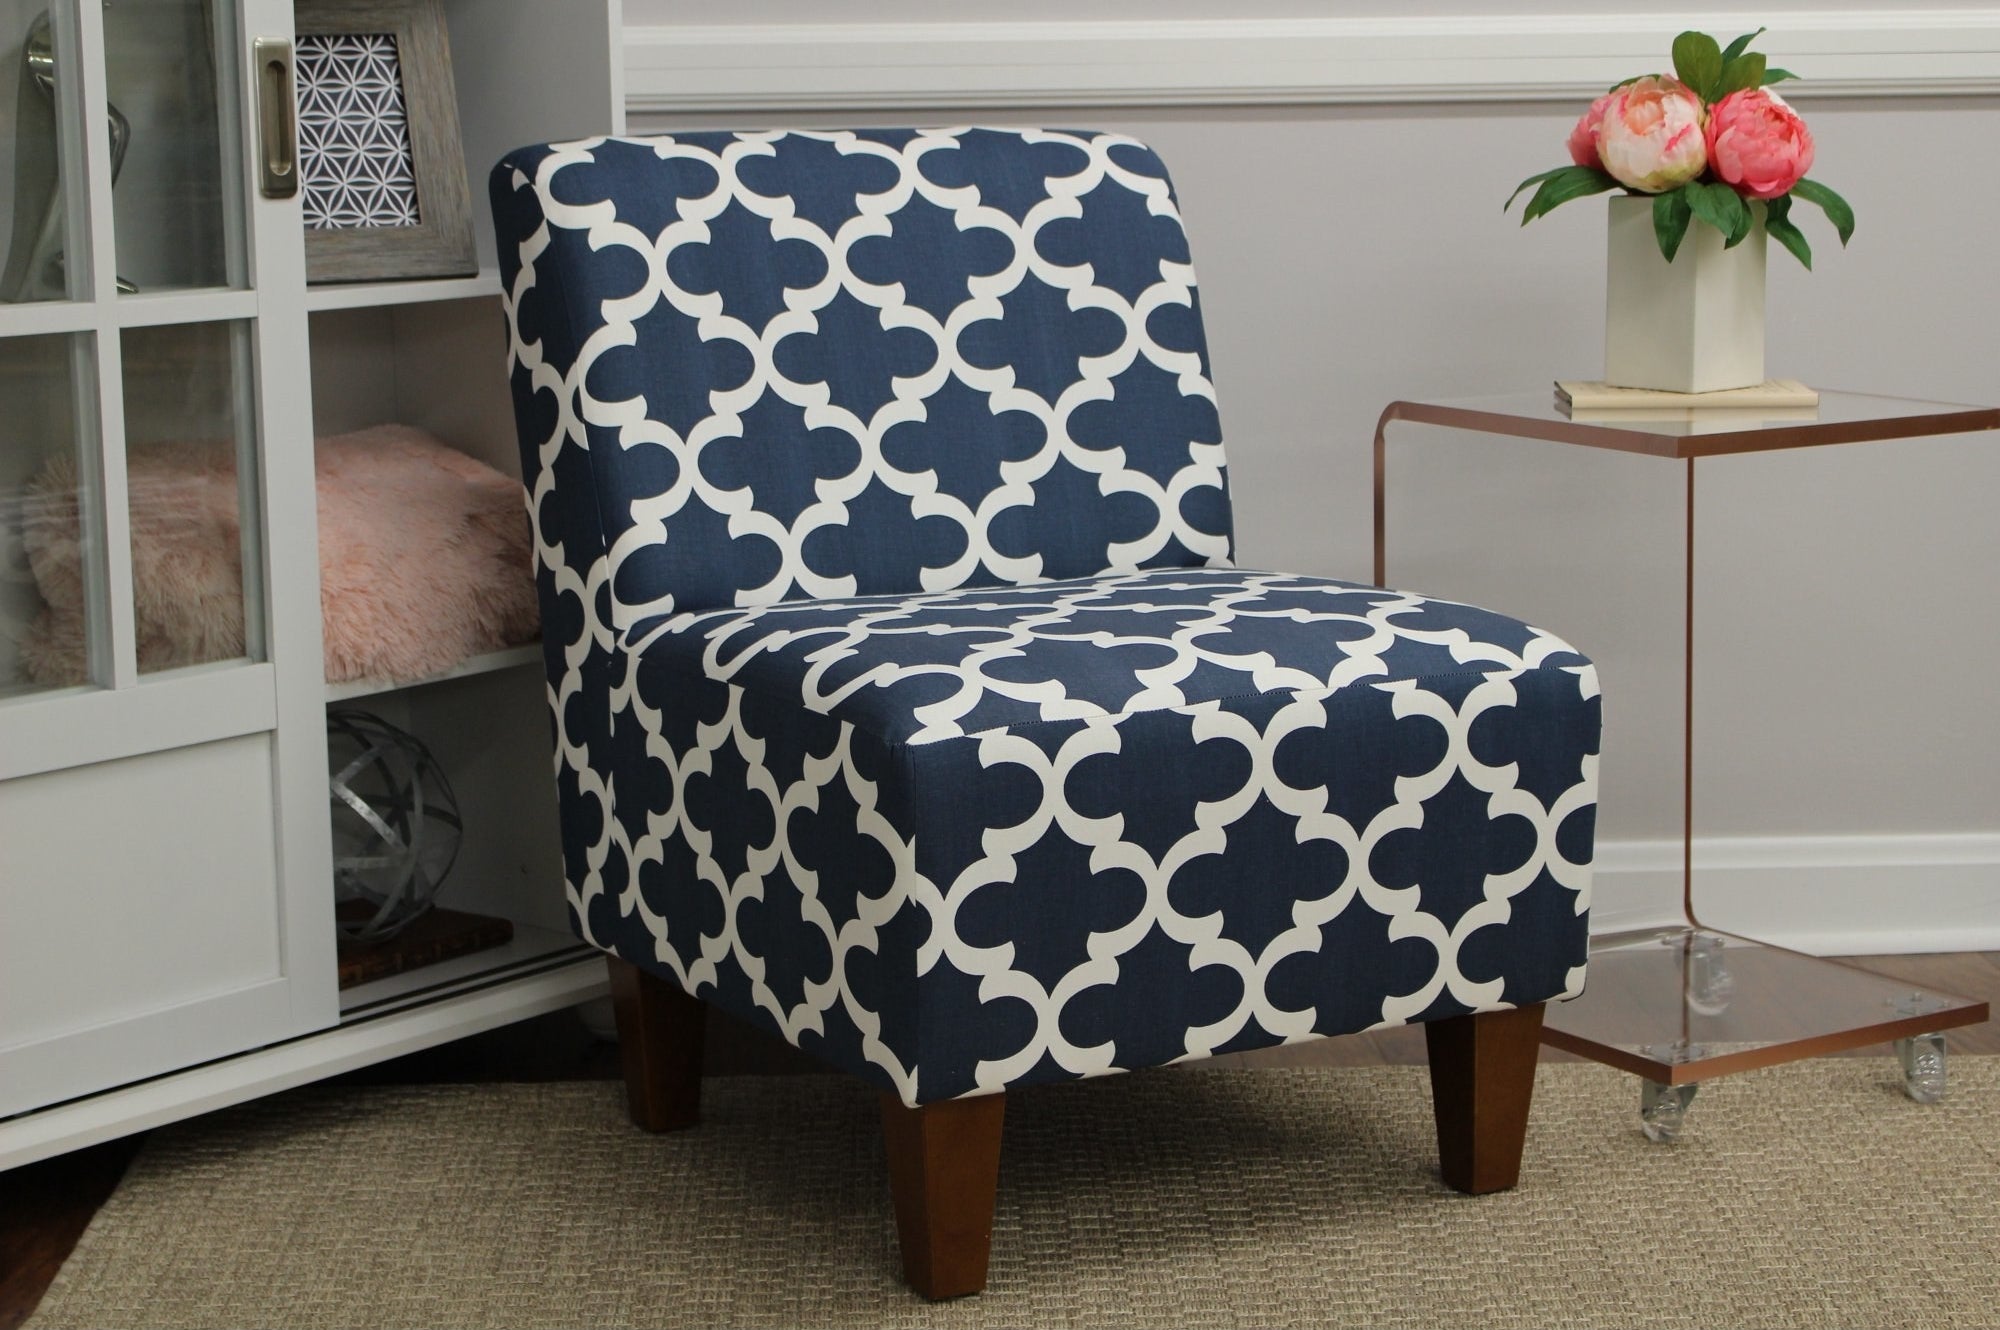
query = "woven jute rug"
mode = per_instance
[{"x": 1809, "y": 1195}]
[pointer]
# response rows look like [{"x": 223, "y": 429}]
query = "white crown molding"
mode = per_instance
[{"x": 678, "y": 68}]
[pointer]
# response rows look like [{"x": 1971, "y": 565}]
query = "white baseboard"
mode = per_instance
[
  {"x": 1827, "y": 895},
  {"x": 941, "y": 65}
]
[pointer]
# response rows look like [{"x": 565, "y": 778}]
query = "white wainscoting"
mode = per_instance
[
  {"x": 1828, "y": 895},
  {"x": 840, "y": 66}
]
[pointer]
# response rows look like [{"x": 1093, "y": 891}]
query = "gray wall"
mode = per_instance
[
  {"x": 1353, "y": 255},
  {"x": 933, "y": 11}
]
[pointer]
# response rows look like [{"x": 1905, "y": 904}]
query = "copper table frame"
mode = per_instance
[{"x": 1859, "y": 418}]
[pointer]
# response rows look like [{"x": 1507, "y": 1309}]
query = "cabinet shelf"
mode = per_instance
[
  {"x": 506, "y": 658},
  {"x": 532, "y": 951},
  {"x": 368, "y": 295}
]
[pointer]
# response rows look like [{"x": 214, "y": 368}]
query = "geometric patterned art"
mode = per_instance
[
  {"x": 907, "y": 702},
  {"x": 354, "y": 133}
]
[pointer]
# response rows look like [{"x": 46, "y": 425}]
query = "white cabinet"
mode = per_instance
[{"x": 167, "y": 938}]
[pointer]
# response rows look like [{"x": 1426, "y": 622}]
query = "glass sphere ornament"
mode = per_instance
[{"x": 396, "y": 825}]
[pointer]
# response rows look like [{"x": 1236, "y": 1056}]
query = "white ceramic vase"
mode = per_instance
[{"x": 1695, "y": 325}]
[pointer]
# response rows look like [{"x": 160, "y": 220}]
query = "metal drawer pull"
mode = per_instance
[{"x": 277, "y": 120}]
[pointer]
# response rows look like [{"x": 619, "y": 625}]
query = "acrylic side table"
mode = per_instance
[{"x": 1685, "y": 1003}]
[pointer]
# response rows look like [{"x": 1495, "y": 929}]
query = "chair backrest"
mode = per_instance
[{"x": 763, "y": 366}]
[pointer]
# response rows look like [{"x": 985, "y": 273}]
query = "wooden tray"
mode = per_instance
[{"x": 438, "y": 935}]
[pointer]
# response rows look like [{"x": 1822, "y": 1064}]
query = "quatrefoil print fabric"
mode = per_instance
[
  {"x": 829, "y": 365},
  {"x": 905, "y": 700}
]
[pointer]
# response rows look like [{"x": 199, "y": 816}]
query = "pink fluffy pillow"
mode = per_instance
[{"x": 424, "y": 558}]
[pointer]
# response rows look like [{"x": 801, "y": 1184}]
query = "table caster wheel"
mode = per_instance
[
  {"x": 1922, "y": 1057},
  {"x": 1663, "y": 1110}
]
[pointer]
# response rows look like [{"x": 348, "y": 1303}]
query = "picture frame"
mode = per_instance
[{"x": 381, "y": 163}]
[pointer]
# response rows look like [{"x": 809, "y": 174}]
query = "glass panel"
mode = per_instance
[
  {"x": 191, "y": 473},
  {"x": 1769, "y": 427},
  {"x": 51, "y": 547},
  {"x": 1685, "y": 1004},
  {"x": 170, "y": 70},
  {"x": 39, "y": 159}
]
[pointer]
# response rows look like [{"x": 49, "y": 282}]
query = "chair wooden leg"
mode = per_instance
[
  {"x": 659, "y": 1041},
  {"x": 944, "y": 1168},
  {"x": 1482, "y": 1078}
]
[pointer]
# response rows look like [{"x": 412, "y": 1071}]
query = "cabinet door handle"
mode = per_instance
[{"x": 277, "y": 120}]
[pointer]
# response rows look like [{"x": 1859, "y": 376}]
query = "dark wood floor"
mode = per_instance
[{"x": 45, "y": 1207}]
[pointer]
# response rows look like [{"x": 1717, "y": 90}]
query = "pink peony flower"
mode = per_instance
[
  {"x": 1651, "y": 136},
  {"x": 1757, "y": 144},
  {"x": 1583, "y": 139}
]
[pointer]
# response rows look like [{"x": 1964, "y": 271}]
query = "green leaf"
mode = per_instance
[
  {"x": 1722, "y": 208},
  {"x": 1740, "y": 45},
  {"x": 1778, "y": 225},
  {"x": 1776, "y": 76},
  {"x": 1532, "y": 180},
  {"x": 1671, "y": 215},
  {"x": 1624, "y": 83},
  {"x": 1745, "y": 71},
  {"x": 1572, "y": 182},
  {"x": 1835, "y": 207},
  {"x": 1698, "y": 63}
]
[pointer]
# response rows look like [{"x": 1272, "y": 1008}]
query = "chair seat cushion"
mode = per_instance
[
  {"x": 1010, "y": 834},
  {"x": 944, "y": 665}
]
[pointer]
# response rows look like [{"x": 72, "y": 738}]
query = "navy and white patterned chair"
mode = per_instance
[{"x": 907, "y": 702}]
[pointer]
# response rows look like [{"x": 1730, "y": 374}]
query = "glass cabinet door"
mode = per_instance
[
  {"x": 134, "y": 345},
  {"x": 159, "y": 626}
]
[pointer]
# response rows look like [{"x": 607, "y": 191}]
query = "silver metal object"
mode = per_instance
[{"x": 396, "y": 826}]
